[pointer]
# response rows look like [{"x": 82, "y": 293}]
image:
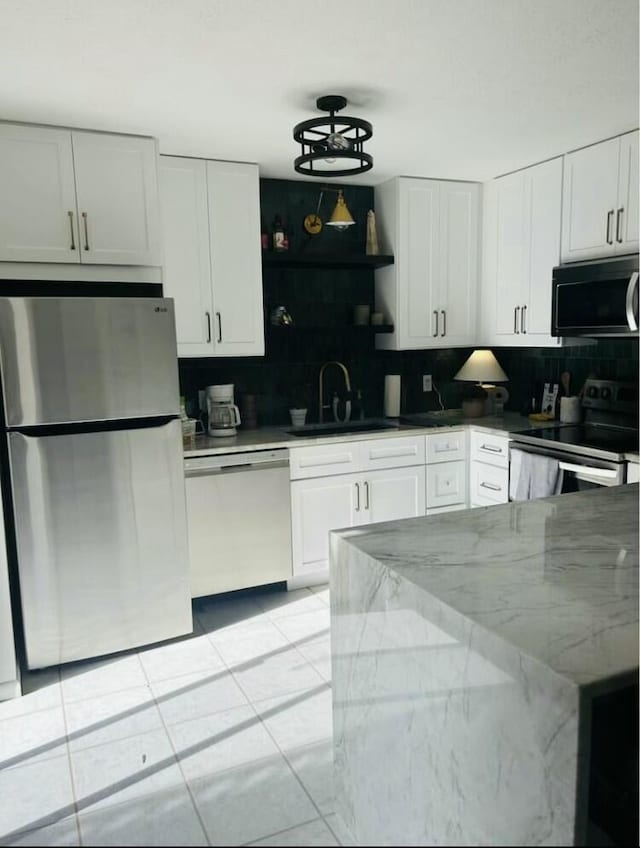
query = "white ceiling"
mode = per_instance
[{"x": 459, "y": 89}]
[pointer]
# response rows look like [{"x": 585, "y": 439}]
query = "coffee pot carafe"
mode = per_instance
[{"x": 224, "y": 415}]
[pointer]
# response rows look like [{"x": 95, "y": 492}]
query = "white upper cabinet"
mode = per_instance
[
  {"x": 38, "y": 217},
  {"x": 521, "y": 238},
  {"x": 117, "y": 194},
  {"x": 211, "y": 226},
  {"x": 429, "y": 294},
  {"x": 78, "y": 197},
  {"x": 236, "y": 261},
  {"x": 187, "y": 271},
  {"x": 600, "y": 200}
]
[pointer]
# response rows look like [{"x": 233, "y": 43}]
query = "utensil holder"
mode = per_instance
[{"x": 570, "y": 410}]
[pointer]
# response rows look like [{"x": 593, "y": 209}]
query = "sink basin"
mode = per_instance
[{"x": 332, "y": 428}]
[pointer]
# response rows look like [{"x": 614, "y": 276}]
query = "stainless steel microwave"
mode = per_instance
[{"x": 596, "y": 298}]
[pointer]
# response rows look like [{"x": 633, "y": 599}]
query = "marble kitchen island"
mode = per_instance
[{"x": 485, "y": 673}]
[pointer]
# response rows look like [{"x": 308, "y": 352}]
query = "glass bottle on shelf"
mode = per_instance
[{"x": 280, "y": 240}]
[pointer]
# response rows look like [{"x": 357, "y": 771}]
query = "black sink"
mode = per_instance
[{"x": 334, "y": 429}]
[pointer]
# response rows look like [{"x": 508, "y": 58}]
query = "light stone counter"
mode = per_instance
[
  {"x": 267, "y": 438},
  {"x": 468, "y": 649}
]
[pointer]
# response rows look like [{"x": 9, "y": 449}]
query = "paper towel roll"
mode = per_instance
[{"x": 392, "y": 395}]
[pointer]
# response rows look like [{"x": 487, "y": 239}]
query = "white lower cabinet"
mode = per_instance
[
  {"x": 347, "y": 484},
  {"x": 322, "y": 504},
  {"x": 318, "y": 506},
  {"x": 447, "y": 485},
  {"x": 633, "y": 472},
  {"x": 446, "y": 481},
  {"x": 393, "y": 494},
  {"x": 488, "y": 468}
]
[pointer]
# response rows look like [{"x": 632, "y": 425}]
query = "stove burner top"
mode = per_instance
[{"x": 616, "y": 440}]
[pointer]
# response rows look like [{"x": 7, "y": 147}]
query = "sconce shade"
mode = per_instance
[
  {"x": 482, "y": 367},
  {"x": 340, "y": 217}
]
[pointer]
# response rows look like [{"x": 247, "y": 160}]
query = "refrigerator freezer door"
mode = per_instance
[
  {"x": 87, "y": 359},
  {"x": 102, "y": 541}
]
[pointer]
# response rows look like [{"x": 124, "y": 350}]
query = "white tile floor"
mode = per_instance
[{"x": 220, "y": 738}]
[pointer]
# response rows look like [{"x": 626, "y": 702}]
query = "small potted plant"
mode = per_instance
[{"x": 299, "y": 405}]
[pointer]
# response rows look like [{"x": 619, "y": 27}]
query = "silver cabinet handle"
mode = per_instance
[
  {"x": 523, "y": 315},
  {"x": 618, "y": 223},
  {"x": 515, "y": 320},
  {"x": 219, "y": 317},
  {"x": 633, "y": 285},
  {"x": 208, "y": 314},
  {"x": 435, "y": 312},
  {"x": 357, "y": 497},
  {"x": 444, "y": 322},
  {"x": 73, "y": 238},
  {"x": 366, "y": 494},
  {"x": 86, "y": 231},
  {"x": 491, "y": 486},
  {"x": 609, "y": 220},
  {"x": 491, "y": 448}
]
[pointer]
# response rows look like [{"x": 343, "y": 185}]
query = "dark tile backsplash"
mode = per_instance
[{"x": 321, "y": 303}]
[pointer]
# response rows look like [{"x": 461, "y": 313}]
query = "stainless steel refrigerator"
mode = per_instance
[{"x": 91, "y": 409}]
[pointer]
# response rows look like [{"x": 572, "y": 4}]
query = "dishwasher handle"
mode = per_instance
[{"x": 234, "y": 462}]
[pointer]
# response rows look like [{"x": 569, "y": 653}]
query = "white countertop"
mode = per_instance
[
  {"x": 267, "y": 438},
  {"x": 556, "y": 578}
]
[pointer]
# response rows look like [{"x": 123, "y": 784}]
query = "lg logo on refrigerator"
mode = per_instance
[{"x": 160, "y": 309}]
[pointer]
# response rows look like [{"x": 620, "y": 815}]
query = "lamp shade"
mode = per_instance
[
  {"x": 340, "y": 217},
  {"x": 482, "y": 367}
]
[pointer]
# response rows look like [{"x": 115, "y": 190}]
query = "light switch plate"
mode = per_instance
[{"x": 427, "y": 383}]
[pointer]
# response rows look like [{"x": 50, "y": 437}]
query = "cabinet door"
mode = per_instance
[
  {"x": 627, "y": 211},
  {"x": 419, "y": 263},
  {"x": 117, "y": 192},
  {"x": 236, "y": 262},
  {"x": 542, "y": 225},
  {"x": 186, "y": 272},
  {"x": 318, "y": 506},
  {"x": 509, "y": 284},
  {"x": 394, "y": 493},
  {"x": 459, "y": 261},
  {"x": 38, "y": 220},
  {"x": 447, "y": 484},
  {"x": 590, "y": 200}
]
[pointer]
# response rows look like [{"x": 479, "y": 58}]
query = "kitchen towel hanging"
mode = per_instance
[
  {"x": 392, "y": 395},
  {"x": 533, "y": 476}
]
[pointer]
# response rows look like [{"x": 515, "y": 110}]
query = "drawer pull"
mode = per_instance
[
  {"x": 445, "y": 448},
  {"x": 490, "y": 448},
  {"x": 490, "y": 486},
  {"x": 325, "y": 460},
  {"x": 387, "y": 453}
]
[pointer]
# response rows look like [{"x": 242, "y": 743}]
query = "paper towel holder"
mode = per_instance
[{"x": 392, "y": 389}]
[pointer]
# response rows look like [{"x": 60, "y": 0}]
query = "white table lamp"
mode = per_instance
[{"x": 483, "y": 369}]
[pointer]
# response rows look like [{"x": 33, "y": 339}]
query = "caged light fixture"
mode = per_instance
[{"x": 332, "y": 146}]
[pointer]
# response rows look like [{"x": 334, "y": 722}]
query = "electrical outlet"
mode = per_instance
[{"x": 427, "y": 383}]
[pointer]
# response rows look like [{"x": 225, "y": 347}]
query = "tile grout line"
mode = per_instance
[
  {"x": 177, "y": 758},
  {"x": 69, "y": 761},
  {"x": 281, "y": 832}
]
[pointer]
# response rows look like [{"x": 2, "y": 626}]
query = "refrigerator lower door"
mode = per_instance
[
  {"x": 80, "y": 359},
  {"x": 102, "y": 542}
]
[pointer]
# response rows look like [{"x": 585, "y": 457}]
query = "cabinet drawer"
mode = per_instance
[
  {"x": 444, "y": 447},
  {"x": 488, "y": 484},
  {"x": 490, "y": 449},
  {"x": 446, "y": 484},
  {"x": 392, "y": 452},
  {"x": 324, "y": 460}
]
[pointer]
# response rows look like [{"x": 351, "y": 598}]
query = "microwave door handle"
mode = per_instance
[
  {"x": 602, "y": 473},
  {"x": 633, "y": 285}
]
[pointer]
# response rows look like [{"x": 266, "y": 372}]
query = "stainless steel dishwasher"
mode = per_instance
[{"x": 239, "y": 520}]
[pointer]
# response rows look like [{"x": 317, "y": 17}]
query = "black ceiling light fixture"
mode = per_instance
[{"x": 332, "y": 146}]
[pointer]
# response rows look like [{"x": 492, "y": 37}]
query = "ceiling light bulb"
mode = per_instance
[{"x": 336, "y": 141}]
